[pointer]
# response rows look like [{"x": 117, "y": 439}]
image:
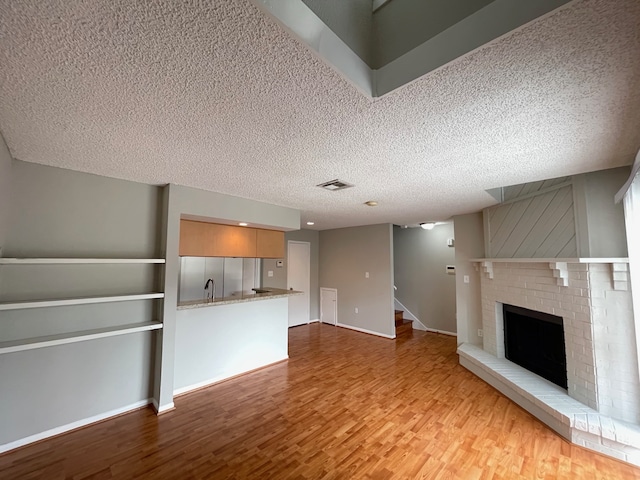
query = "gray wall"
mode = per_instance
[
  {"x": 402, "y": 25},
  {"x": 5, "y": 190},
  {"x": 351, "y": 21},
  {"x": 60, "y": 213},
  {"x": 537, "y": 226},
  {"x": 56, "y": 212},
  {"x": 469, "y": 244},
  {"x": 279, "y": 279},
  {"x": 600, "y": 221},
  {"x": 559, "y": 218},
  {"x": 346, "y": 254},
  {"x": 424, "y": 288}
]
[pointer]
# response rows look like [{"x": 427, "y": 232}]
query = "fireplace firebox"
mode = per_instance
[{"x": 535, "y": 341}]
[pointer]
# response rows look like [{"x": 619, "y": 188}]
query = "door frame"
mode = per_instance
[
  {"x": 334, "y": 290},
  {"x": 308, "y": 244}
]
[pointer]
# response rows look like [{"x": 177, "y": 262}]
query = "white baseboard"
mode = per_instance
[
  {"x": 315, "y": 320},
  {"x": 162, "y": 408},
  {"x": 73, "y": 426},
  {"x": 364, "y": 330},
  {"x": 442, "y": 332},
  {"x": 221, "y": 378}
]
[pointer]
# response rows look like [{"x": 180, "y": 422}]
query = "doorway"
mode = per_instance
[
  {"x": 299, "y": 278},
  {"x": 329, "y": 306}
]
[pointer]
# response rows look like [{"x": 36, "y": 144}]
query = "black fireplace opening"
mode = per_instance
[{"x": 535, "y": 341}]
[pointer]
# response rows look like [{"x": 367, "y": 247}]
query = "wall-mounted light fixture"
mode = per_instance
[{"x": 427, "y": 225}]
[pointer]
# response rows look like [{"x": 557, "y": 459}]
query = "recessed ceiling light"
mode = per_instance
[
  {"x": 371, "y": 203},
  {"x": 243, "y": 224},
  {"x": 310, "y": 223}
]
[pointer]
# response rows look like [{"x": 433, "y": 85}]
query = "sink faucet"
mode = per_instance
[{"x": 211, "y": 294}]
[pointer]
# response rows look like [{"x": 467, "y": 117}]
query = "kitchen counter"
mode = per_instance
[{"x": 247, "y": 297}]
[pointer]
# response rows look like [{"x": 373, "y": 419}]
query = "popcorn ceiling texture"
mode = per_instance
[{"x": 216, "y": 95}]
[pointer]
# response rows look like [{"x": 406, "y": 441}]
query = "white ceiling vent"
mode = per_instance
[{"x": 335, "y": 185}]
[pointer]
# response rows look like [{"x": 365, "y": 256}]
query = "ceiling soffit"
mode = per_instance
[{"x": 470, "y": 33}]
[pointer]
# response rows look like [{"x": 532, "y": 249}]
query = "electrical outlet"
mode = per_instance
[
  {"x": 366, "y": 274},
  {"x": 270, "y": 273},
  {"x": 466, "y": 279},
  {"x": 480, "y": 332},
  {"x": 356, "y": 309}
]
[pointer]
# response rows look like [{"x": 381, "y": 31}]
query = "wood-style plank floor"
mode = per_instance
[{"x": 345, "y": 406}]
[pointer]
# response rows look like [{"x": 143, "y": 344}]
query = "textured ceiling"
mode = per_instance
[{"x": 218, "y": 96}]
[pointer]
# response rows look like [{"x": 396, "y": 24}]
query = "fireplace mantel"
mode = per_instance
[
  {"x": 549, "y": 260},
  {"x": 559, "y": 266}
]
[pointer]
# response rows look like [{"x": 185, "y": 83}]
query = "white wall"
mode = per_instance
[
  {"x": 214, "y": 343},
  {"x": 346, "y": 254},
  {"x": 424, "y": 288}
]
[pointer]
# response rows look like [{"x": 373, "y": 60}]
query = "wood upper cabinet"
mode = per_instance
[
  {"x": 195, "y": 239},
  {"x": 270, "y": 244},
  {"x": 201, "y": 239},
  {"x": 230, "y": 241}
]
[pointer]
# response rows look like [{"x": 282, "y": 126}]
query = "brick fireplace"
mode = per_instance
[{"x": 601, "y": 407}]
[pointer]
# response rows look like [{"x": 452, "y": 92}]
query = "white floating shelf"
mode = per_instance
[
  {"x": 76, "y": 301},
  {"x": 70, "y": 261},
  {"x": 74, "y": 337},
  {"x": 551, "y": 260}
]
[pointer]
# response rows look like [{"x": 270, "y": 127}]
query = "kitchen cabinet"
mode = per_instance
[
  {"x": 201, "y": 239},
  {"x": 230, "y": 241},
  {"x": 270, "y": 244}
]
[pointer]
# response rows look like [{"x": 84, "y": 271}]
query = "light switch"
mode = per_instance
[
  {"x": 270, "y": 273},
  {"x": 466, "y": 279},
  {"x": 366, "y": 274}
]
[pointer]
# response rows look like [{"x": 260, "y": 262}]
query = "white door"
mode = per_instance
[
  {"x": 329, "y": 306},
  {"x": 299, "y": 278}
]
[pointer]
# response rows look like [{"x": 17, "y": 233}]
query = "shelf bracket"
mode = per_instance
[
  {"x": 620, "y": 276},
  {"x": 560, "y": 272},
  {"x": 487, "y": 267}
]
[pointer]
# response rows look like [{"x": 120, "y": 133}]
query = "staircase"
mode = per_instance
[{"x": 404, "y": 328}]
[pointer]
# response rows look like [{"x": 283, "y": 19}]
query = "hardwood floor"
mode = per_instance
[{"x": 345, "y": 406}]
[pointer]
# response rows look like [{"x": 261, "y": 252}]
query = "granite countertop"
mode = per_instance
[{"x": 247, "y": 297}]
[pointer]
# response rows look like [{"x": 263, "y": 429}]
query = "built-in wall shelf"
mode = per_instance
[
  {"x": 74, "y": 337},
  {"x": 76, "y": 261},
  {"x": 76, "y": 301},
  {"x": 551, "y": 260}
]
